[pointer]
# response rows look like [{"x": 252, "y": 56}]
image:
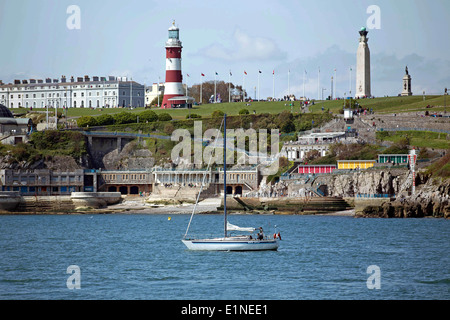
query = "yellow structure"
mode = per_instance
[{"x": 355, "y": 164}]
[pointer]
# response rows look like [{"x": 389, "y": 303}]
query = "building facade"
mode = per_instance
[
  {"x": 355, "y": 164},
  {"x": 316, "y": 169},
  {"x": 319, "y": 141},
  {"x": 393, "y": 158},
  {"x": 152, "y": 92},
  {"x": 82, "y": 92},
  {"x": 13, "y": 130},
  {"x": 42, "y": 181}
]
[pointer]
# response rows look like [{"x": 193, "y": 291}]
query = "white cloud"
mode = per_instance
[{"x": 244, "y": 47}]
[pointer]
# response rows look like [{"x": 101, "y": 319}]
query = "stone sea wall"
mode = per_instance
[{"x": 14, "y": 203}]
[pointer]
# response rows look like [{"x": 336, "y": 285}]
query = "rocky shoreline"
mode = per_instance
[{"x": 432, "y": 199}]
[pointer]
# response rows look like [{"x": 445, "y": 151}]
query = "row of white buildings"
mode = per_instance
[{"x": 80, "y": 92}]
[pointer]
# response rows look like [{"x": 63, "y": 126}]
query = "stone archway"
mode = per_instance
[
  {"x": 123, "y": 189},
  {"x": 134, "y": 190}
]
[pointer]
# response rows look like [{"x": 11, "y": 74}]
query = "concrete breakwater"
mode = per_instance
[
  {"x": 14, "y": 203},
  {"x": 288, "y": 205}
]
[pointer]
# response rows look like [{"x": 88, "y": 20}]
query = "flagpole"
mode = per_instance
[
  {"x": 318, "y": 85},
  {"x": 201, "y": 88},
  {"x": 258, "y": 84},
  {"x": 350, "y": 83},
  {"x": 229, "y": 87},
  {"x": 289, "y": 85},
  {"x": 215, "y": 99},
  {"x": 335, "y": 83},
  {"x": 273, "y": 76},
  {"x": 157, "y": 90},
  {"x": 243, "y": 86},
  {"x": 304, "y": 72}
]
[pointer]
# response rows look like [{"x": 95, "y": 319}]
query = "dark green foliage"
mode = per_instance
[{"x": 164, "y": 117}]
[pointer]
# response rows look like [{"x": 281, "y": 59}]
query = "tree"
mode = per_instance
[
  {"x": 105, "y": 119},
  {"x": 164, "y": 117},
  {"x": 148, "y": 116},
  {"x": 222, "y": 89},
  {"x": 86, "y": 121},
  {"x": 155, "y": 100},
  {"x": 217, "y": 114},
  {"x": 126, "y": 117}
]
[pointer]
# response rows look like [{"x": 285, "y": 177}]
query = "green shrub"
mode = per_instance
[
  {"x": 218, "y": 114},
  {"x": 164, "y": 117},
  {"x": 105, "y": 120},
  {"x": 194, "y": 116},
  {"x": 126, "y": 117},
  {"x": 148, "y": 116},
  {"x": 86, "y": 121}
]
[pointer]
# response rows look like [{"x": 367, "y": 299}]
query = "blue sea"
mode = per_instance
[{"x": 140, "y": 256}]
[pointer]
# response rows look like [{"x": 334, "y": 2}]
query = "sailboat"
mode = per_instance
[{"x": 245, "y": 242}]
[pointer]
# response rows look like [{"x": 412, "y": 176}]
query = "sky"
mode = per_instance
[{"x": 276, "y": 37}]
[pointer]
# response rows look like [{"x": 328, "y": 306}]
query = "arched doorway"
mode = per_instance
[
  {"x": 123, "y": 190},
  {"x": 229, "y": 190},
  {"x": 238, "y": 190},
  {"x": 112, "y": 189},
  {"x": 134, "y": 190}
]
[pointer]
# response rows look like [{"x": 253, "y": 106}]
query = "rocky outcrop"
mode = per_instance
[
  {"x": 374, "y": 182},
  {"x": 432, "y": 200},
  {"x": 129, "y": 158},
  {"x": 393, "y": 187}
]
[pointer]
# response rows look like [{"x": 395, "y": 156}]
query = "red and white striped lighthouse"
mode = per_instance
[{"x": 174, "y": 79}]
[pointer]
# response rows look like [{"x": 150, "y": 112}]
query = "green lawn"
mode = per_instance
[
  {"x": 379, "y": 105},
  {"x": 420, "y": 139},
  {"x": 391, "y": 104}
]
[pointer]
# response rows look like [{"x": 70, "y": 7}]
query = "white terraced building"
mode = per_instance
[{"x": 82, "y": 92}]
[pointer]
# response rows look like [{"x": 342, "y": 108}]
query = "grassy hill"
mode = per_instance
[{"x": 379, "y": 105}]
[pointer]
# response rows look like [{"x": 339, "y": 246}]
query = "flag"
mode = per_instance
[
  {"x": 217, "y": 74},
  {"x": 273, "y": 72},
  {"x": 245, "y": 72},
  {"x": 187, "y": 74},
  {"x": 230, "y": 73},
  {"x": 260, "y": 71},
  {"x": 203, "y": 75}
]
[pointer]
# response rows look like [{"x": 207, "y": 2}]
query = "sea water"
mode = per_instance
[{"x": 137, "y": 256}]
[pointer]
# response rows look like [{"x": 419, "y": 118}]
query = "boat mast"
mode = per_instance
[{"x": 225, "y": 173}]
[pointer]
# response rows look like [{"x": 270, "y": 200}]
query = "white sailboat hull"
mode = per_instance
[{"x": 231, "y": 244}]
